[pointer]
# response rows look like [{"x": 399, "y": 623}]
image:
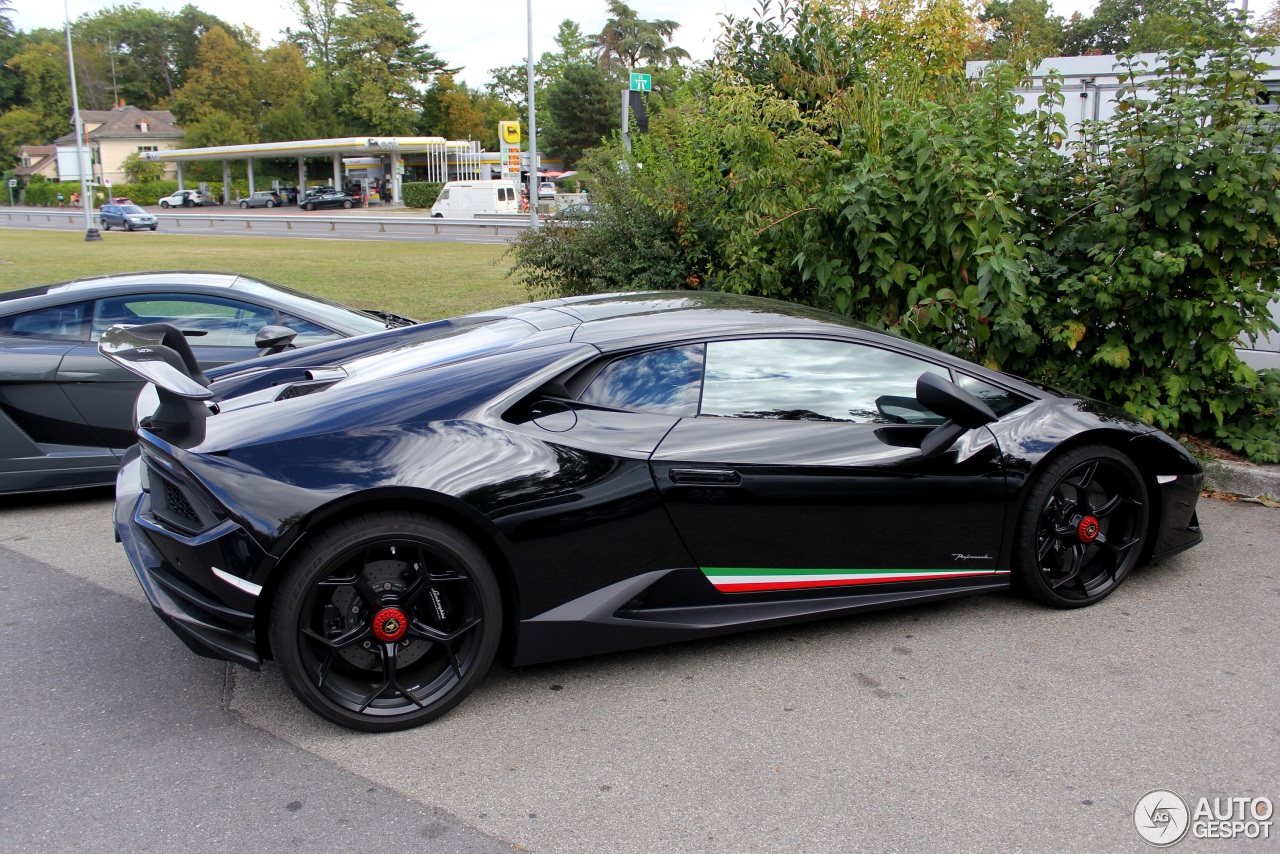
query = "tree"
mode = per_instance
[
  {"x": 6, "y": 19},
  {"x": 140, "y": 171},
  {"x": 19, "y": 126},
  {"x": 45, "y": 86},
  {"x": 151, "y": 50},
  {"x": 584, "y": 111},
  {"x": 448, "y": 111},
  {"x": 284, "y": 90},
  {"x": 317, "y": 36},
  {"x": 1022, "y": 26},
  {"x": 1132, "y": 26},
  {"x": 1268, "y": 26},
  {"x": 626, "y": 39},
  {"x": 382, "y": 62},
  {"x": 218, "y": 82}
]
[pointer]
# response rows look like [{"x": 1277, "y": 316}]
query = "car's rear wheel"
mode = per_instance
[
  {"x": 270, "y": 203},
  {"x": 386, "y": 621},
  {"x": 188, "y": 204},
  {"x": 1082, "y": 528},
  {"x": 346, "y": 203},
  {"x": 106, "y": 226}
]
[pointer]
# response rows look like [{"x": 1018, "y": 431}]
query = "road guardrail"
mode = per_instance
[{"x": 195, "y": 217}]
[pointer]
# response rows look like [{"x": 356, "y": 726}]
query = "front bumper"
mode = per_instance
[
  {"x": 191, "y": 581},
  {"x": 1179, "y": 524}
]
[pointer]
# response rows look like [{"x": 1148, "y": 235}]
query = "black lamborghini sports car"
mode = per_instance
[
  {"x": 66, "y": 413},
  {"x": 577, "y": 476}
]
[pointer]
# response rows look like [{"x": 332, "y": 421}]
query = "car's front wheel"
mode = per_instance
[
  {"x": 1082, "y": 528},
  {"x": 386, "y": 621},
  {"x": 164, "y": 203},
  {"x": 308, "y": 207},
  {"x": 244, "y": 205}
]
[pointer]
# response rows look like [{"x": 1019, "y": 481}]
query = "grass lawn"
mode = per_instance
[{"x": 421, "y": 280}]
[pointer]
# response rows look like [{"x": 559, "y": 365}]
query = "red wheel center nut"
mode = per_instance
[
  {"x": 390, "y": 624},
  {"x": 1087, "y": 530}
]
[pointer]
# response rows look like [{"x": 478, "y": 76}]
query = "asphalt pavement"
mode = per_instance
[{"x": 973, "y": 725}]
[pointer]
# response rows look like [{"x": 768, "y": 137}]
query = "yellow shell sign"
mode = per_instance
[{"x": 510, "y": 132}]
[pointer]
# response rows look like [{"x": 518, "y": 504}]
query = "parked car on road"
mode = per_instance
[
  {"x": 261, "y": 199},
  {"x": 128, "y": 217},
  {"x": 593, "y": 474},
  {"x": 329, "y": 199},
  {"x": 66, "y": 413},
  {"x": 546, "y": 190},
  {"x": 187, "y": 199}
]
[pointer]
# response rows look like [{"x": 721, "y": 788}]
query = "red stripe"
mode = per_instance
[{"x": 838, "y": 582}]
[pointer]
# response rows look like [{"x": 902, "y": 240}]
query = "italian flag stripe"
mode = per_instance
[{"x": 740, "y": 580}]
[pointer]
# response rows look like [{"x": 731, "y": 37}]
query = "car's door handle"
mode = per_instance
[{"x": 717, "y": 477}]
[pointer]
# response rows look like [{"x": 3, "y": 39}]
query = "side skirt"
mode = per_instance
[{"x": 594, "y": 624}]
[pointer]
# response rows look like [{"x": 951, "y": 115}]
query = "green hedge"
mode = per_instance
[{"x": 420, "y": 194}]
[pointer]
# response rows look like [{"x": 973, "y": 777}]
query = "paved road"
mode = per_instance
[
  {"x": 982, "y": 724},
  {"x": 180, "y": 222}
]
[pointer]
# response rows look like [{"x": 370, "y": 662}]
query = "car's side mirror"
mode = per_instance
[
  {"x": 962, "y": 410},
  {"x": 274, "y": 339}
]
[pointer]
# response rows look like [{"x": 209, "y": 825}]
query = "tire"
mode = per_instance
[
  {"x": 270, "y": 203},
  {"x": 244, "y": 205},
  {"x": 106, "y": 227},
  {"x": 346, "y": 203},
  {"x": 128, "y": 226},
  {"x": 188, "y": 204},
  {"x": 163, "y": 203},
  {"x": 437, "y": 216},
  {"x": 386, "y": 621},
  {"x": 153, "y": 228},
  {"x": 1082, "y": 529},
  {"x": 308, "y": 207}
]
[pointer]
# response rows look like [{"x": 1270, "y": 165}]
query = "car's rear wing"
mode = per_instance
[{"x": 159, "y": 353}]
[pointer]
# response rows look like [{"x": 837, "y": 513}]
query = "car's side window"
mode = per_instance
[
  {"x": 794, "y": 379},
  {"x": 207, "y": 320},
  {"x": 665, "y": 382},
  {"x": 59, "y": 322}
]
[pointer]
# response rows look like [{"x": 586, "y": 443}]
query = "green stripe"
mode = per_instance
[{"x": 715, "y": 570}]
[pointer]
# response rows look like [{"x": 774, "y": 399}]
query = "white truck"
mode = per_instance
[{"x": 465, "y": 199}]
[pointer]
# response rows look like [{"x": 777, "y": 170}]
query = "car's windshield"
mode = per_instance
[
  {"x": 132, "y": 209},
  {"x": 317, "y": 308}
]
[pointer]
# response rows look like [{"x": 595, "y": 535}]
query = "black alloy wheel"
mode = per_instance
[
  {"x": 386, "y": 621},
  {"x": 309, "y": 206},
  {"x": 1083, "y": 527}
]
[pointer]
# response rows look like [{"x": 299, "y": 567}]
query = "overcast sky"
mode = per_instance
[{"x": 478, "y": 37}]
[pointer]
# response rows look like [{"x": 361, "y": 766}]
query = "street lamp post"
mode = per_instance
[
  {"x": 533, "y": 133},
  {"x": 90, "y": 233}
]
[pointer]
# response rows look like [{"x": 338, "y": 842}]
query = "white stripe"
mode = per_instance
[{"x": 238, "y": 582}]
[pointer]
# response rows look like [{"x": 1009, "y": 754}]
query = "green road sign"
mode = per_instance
[{"x": 641, "y": 82}]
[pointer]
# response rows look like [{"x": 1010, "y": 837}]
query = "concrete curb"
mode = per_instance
[{"x": 1242, "y": 478}]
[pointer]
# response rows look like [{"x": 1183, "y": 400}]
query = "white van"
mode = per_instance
[{"x": 465, "y": 199}]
